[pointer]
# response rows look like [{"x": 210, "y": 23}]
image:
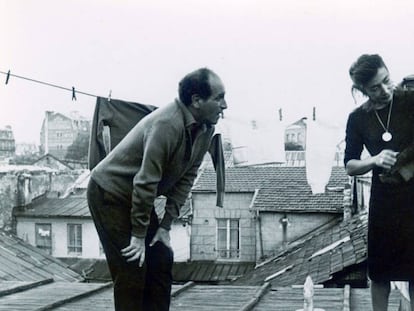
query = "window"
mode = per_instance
[
  {"x": 74, "y": 239},
  {"x": 228, "y": 242},
  {"x": 43, "y": 237}
]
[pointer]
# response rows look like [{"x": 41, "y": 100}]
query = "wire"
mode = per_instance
[{"x": 72, "y": 89}]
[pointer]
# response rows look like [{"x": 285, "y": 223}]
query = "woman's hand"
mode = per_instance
[{"x": 386, "y": 158}]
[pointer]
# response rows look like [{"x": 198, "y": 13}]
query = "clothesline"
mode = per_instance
[
  {"x": 272, "y": 156},
  {"x": 73, "y": 90}
]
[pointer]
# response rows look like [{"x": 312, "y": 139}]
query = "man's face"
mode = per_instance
[
  {"x": 380, "y": 88},
  {"x": 210, "y": 109}
]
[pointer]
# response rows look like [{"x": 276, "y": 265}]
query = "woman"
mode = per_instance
[{"x": 384, "y": 125}]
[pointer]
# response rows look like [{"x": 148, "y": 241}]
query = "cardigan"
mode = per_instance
[{"x": 159, "y": 156}]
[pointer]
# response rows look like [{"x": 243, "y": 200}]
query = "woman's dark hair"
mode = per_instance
[
  {"x": 196, "y": 82},
  {"x": 364, "y": 69}
]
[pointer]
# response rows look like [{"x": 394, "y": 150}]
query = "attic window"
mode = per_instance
[{"x": 330, "y": 247}]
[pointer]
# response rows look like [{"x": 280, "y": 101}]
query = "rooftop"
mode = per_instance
[
  {"x": 20, "y": 261},
  {"x": 332, "y": 249},
  {"x": 63, "y": 296},
  {"x": 280, "y": 188}
]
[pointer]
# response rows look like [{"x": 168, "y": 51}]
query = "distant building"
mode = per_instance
[
  {"x": 26, "y": 149},
  {"x": 59, "y": 131},
  {"x": 7, "y": 142},
  {"x": 295, "y": 135},
  {"x": 266, "y": 209},
  {"x": 295, "y": 145},
  {"x": 63, "y": 227},
  {"x": 48, "y": 160}
]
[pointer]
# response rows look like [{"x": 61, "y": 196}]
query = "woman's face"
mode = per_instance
[{"x": 380, "y": 88}]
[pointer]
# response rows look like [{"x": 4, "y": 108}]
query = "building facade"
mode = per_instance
[
  {"x": 59, "y": 131},
  {"x": 266, "y": 209},
  {"x": 7, "y": 143},
  {"x": 295, "y": 135}
]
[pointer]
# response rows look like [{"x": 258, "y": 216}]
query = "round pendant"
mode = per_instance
[{"x": 386, "y": 136}]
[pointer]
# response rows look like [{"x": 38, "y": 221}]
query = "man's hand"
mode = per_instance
[
  {"x": 135, "y": 250},
  {"x": 162, "y": 235}
]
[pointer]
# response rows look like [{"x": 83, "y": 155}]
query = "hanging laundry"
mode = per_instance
[
  {"x": 256, "y": 141},
  {"x": 120, "y": 116},
  {"x": 217, "y": 155},
  {"x": 322, "y": 139}
]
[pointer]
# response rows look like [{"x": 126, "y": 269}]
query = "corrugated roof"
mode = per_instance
[
  {"x": 60, "y": 296},
  {"x": 197, "y": 271},
  {"x": 319, "y": 255},
  {"x": 55, "y": 207},
  {"x": 20, "y": 261},
  {"x": 47, "y": 295},
  {"x": 279, "y": 187},
  {"x": 209, "y": 271},
  {"x": 76, "y": 206}
]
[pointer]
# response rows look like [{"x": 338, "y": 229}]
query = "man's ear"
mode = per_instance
[{"x": 195, "y": 100}]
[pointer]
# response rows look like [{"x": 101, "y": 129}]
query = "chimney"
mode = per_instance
[
  {"x": 347, "y": 203},
  {"x": 24, "y": 189},
  {"x": 284, "y": 222}
]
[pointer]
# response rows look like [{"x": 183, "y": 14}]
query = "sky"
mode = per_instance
[{"x": 271, "y": 54}]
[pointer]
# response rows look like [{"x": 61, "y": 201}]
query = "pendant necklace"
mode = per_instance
[{"x": 386, "y": 136}]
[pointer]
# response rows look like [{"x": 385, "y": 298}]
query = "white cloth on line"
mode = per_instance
[
  {"x": 256, "y": 141},
  {"x": 322, "y": 139}
]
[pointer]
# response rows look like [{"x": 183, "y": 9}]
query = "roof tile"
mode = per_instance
[{"x": 280, "y": 188}]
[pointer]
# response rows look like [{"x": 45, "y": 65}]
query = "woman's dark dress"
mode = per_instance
[{"x": 391, "y": 207}]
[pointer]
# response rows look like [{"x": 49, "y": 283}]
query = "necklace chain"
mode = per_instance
[{"x": 388, "y": 119}]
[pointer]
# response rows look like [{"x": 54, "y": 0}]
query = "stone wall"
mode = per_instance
[
  {"x": 204, "y": 225},
  {"x": 20, "y": 185}
]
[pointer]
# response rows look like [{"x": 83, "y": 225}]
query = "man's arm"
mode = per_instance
[
  {"x": 156, "y": 149},
  {"x": 158, "y": 145},
  {"x": 178, "y": 195}
]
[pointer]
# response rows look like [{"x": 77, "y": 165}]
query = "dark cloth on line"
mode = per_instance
[
  {"x": 216, "y": 152},
  {"x": 120, "y": 116}
]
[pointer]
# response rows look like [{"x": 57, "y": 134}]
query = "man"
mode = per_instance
[{"x": 159, "y": 156}]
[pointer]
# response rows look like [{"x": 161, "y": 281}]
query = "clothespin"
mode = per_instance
[
  {"x": 280, "y": 114},
  {"x": 314, "y": 114},
  {"x": 7, "y": 77},
  {"x": 109, "y": 96},
  {"x": 73, "y": 93}
]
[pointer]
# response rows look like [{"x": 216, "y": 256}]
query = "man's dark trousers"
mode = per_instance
[{"x": 147, "y": 288}]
